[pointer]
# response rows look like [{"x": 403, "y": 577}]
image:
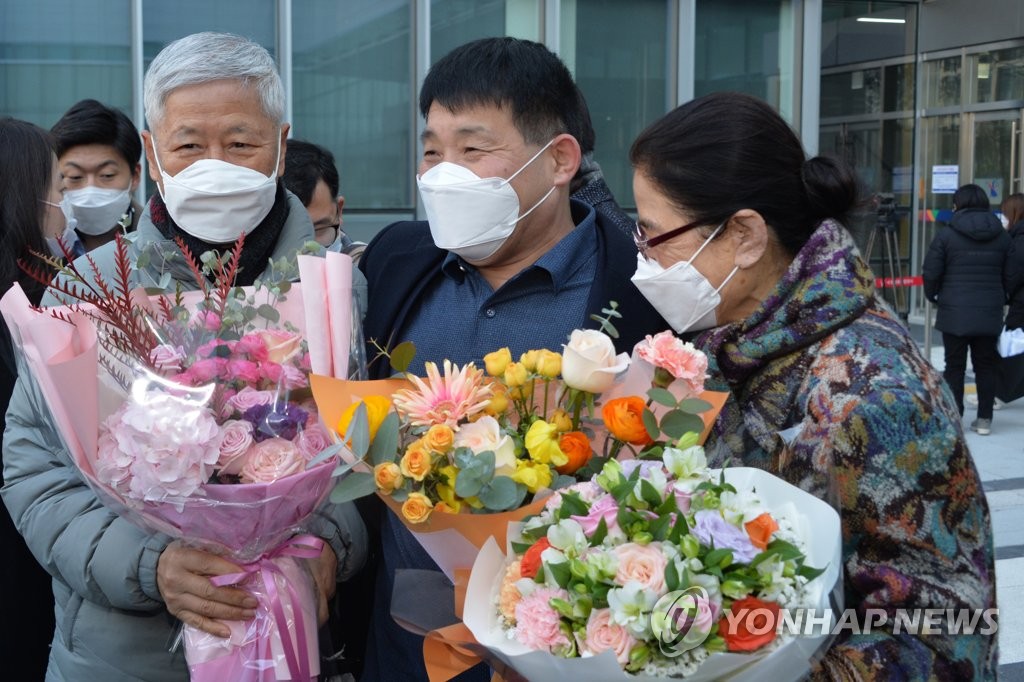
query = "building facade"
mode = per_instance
[{"x": 913, "y": 93}]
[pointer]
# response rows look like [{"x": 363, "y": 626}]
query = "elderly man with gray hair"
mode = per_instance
[{"x": 215, "y": 148}]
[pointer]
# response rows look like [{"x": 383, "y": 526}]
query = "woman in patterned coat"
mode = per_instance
[{"x": 828, "y": 390}]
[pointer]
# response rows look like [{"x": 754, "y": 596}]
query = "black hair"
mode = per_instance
[
  {"x": 90, "y": 122},
  {"x": 970, "y": 196},
  {"x": 26, "y": 173},
  {"x": 305, "y": 164},
  {"x": 727, "y": 151},
  {"x": 523, "y": 76}
]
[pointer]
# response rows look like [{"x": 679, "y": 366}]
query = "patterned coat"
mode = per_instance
[{"x": 868, "y": 425}]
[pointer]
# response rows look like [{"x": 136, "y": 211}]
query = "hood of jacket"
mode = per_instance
[{"x": 978, "y": 224}]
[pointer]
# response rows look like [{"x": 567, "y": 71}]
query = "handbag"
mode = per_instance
[{"x": 1011, "y": 342}]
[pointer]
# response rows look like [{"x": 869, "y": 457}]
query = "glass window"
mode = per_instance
[
  {"x": 618, "y": 54},
  {"x": 163, "y": 22},
  {"x": 740, "y": 46},
  {"x": 851, "y": 93},
  {"x": 942, "y": 82},
  {"x": 997, "y": 75},
  {"x": 351, "y": 76},
  {"x": 54, "y": 53},
  {"x": 456, "y": 22},
  {"x": 866, "y": 30},
  {"x": 899, "y": 88}
]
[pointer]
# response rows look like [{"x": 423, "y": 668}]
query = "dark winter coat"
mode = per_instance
[
  {"x": 965, "y": 274},
  {"x": 1015, "y": 277}
]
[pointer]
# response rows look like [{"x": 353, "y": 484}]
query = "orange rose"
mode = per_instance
[
  {"x": 417, "y": 508},
  {"x": 445, "y": 508},
  {"x": 439, "y": 438},
  {"x": 624, "y": 419},
  {"x": 576, "y": 446},
  {"x": 415, "y": 462},
  {"x": 760, "y": 530},
  {"x": 530, "y": 563},
  {"x": 752, "y": 625},
  {"x": 388, "y": 477}
]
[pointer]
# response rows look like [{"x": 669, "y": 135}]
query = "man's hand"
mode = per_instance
[
  {"x": 183, "y": 577},
  {"x": 323, "y": 569}
]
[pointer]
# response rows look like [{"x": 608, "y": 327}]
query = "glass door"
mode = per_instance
[{"x": 994, "y": 153}]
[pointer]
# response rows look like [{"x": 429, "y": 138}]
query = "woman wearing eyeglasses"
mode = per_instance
[{"x": 742, "y": 247}]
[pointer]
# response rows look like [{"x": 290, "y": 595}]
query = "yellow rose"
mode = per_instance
[
  {"x": 542, "y": 443},
  {"x": 439, "y": 438},
  {"x": 498, "y": 402},
  {"x": 529, "y": 360},
  {"x": 496, "y": 362},
  {"x": 446, "y": 508},
  {"x": 521, "y": 392},
  {"x": 282, "y": 345},
  {"x": 377, "y": 408},
  {"x": 516, "y": 374},
  {"x": 549, "y": 364},
  {"x": 415, "y": 462},
  {"x": 388, "y": 477},
  {"x": 561, "y": 420},
  {"x": 417, "y": 508},
  {"x": 533, "y": 475}
]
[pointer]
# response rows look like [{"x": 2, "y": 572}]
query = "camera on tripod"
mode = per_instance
[{"x": 886, "y": 216}]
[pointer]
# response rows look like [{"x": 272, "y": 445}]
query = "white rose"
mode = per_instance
[
  {"x": 485, "y": 434},
  {"x": 589, "y": 362},
  {"x": 683, "y": 464}
]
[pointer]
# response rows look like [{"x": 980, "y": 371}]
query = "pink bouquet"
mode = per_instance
[{"x": 190, "y": 415}]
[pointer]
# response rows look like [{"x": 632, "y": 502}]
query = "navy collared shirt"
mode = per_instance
[{"x": 461, "y": 318}]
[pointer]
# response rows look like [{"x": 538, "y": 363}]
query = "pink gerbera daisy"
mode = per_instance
[{"x": 447, "y": 400}]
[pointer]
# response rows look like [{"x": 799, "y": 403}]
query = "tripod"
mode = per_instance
[{"x": 887, "y": 226}]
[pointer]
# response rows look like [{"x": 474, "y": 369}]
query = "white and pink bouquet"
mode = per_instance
[
  {"x": 190, "y": 414},
  {"x": 653, "y": 570}
]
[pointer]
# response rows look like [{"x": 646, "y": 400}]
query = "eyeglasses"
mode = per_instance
[
  {"x": 644, "y": 243},
  {"x": 320, "y": 231}
]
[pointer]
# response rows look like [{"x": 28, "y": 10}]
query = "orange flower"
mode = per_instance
[
  {"x": 760, "y": 530},
  {"x": 530, "y": 563},
  {"x": 576, "y": 445},
  {"x": 439, "y": 438},
  {"x": 752, "y": 626},
  {"x": 624, "y": 419}
]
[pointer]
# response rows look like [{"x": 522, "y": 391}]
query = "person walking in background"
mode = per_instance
[
  {"x": 1013, "y": 209},
  {"x": 98, "y": 151},
  {"x": 30, "y": 213},
  {"x": 965, "y": 274}
]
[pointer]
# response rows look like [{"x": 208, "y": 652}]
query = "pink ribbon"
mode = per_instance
[{"x": 302, "y": 547}]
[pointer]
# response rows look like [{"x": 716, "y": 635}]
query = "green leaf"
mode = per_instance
[
  {"x": 463, "y": 457},
  {"x": 353, "y": 487},
  {"x": 142, "y": 261},
  {"x": 562, "y": 481},
  {"x": 651, "y": 424},
  {"x": 400, "y": 495},
  {"x": 268, "y": 312},
  {"x": 402, "y": 355},
  {"x": 668, "y": 506},
  {"x": 679, "y": 529},
  {"x": 785, "y": 550},
  {"x": 324, "y": 455},
  {"x": 600, "y": 533},
  {"x": 384, "y": 447},
  {"x": 662, "y": 397},
  {"x": 561, "y": 573},
  {"x": 650, "y": 494},
  {"x": 717, "y": 556},
  {"x": 500, "y": 494},
  {"x": 676, "y": 423},
  {"x": 694, "y": 406},
  {"x": 284, "y": 287},
  {"x": 358, "y": 432},
  {"x": 810, "y": 572},
  {"x": 521, "y": 547},
  {"x": 659, "y": 528},
  {"x": 572, "y": 505},
  {"x": 671, "y": 576},
  {"x": 468, "y": 482}
]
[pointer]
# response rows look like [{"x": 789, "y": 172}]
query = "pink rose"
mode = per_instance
[
  {"x": 679, "y": 358},
  {"x": 293, "y": 378},
  {"x": 281, "y": 345},
  {"x": 644, "y": 564},
  {"x": 603, "y": 634},
  {"x": 605, "y": 508},
  {"x": 250, "y": 397},
  {"x": 271, "y": 460},
  {"x": 236, "y": 439},
  {"x": 167, "y": 358},
  {"x": 245, "y": 371},
  {"x": 252, "y": 345},
  {"x": 537, "y": 623},
  {"x": 205, "y": 371},
  {"x": 312, "y": 441}
]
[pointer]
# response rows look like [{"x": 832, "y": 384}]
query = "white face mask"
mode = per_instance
[
  {"x": 216, "y": 201},
  {"x": 97, "y": 210},
  {"x": 680, "y": 294},
  {"x": 469, "y": 215},
  {"x": 68, "y": 235}
]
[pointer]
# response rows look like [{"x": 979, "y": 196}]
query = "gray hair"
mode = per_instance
[{"x": 206, "y": 57}]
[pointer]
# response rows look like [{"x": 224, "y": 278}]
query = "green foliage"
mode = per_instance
[{"x": 352, "y": 487}]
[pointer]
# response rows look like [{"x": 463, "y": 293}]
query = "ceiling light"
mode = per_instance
[{"x": 879, "y": 20}]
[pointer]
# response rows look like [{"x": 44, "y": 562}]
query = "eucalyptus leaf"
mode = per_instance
[
  {"x": 562, "y": 481},
  {"x": 358, "y": 432},
  {"x": 165, "y": 280},
  {"x": 324, "y": 455},
  {"x": 675, "y": 424},
  {"x": 694, "y": 405},
  {"x": 384, "y": 447},
  {"x": 500, "y": 494},
  {"x": 400, "y": 495},
  {"x": 284, "y": 287},
  {"x": 468, "y": 482},
  {"x": 353, "y": 487},
  {"x": 662, "y": 396},
  {"x": 268, "y": 312},
  {"x": 402, "y": 355},
  {"x": 651, "y": 424}
]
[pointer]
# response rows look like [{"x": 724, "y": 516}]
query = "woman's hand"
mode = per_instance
[{"x": 183, "y": 577}]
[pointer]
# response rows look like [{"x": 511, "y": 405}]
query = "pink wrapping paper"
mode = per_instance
[{"x": 327, "y": 298}]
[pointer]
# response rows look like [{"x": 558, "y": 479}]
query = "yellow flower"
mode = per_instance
[
  {"x": 499, "y": 401},
  {"x": 448, "y": 473},
  {"x": 388, "y": 477},
  {"x": 415, "y": 462},
  {"x": 521, "y": 392},
  {"x": 561, "y": 420},
  {"x": 516, "y": 375},
  {"x": 417, "y": 508},
  {"x": 439, "y": 438},
  {"x": 377, "y": 408},
  {"x": 533, "y": 475},
  {"x": 542, "y": 444},
  {"x": 496, "y": 362},
  {"x": 549, "y": 364},
  {"x": 446, "y": 508},
  {"x": 529, "y": 360}
]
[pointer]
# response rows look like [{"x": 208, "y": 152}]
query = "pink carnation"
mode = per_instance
[
  {"x": 245, "y": 371},
  {"x": 537, "y": 623},
  {"x": 205, "y": 371},
  {"x": 236, "y": 439},
  {"x": 679, "y": 358},
  {"x": 603, "y": 634},
  {"x": 253, "y": 346},
  {"x": 312, "y": 441},
  {"x": 270, "y": 371},
  {"x": 271, "y": 460}
]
